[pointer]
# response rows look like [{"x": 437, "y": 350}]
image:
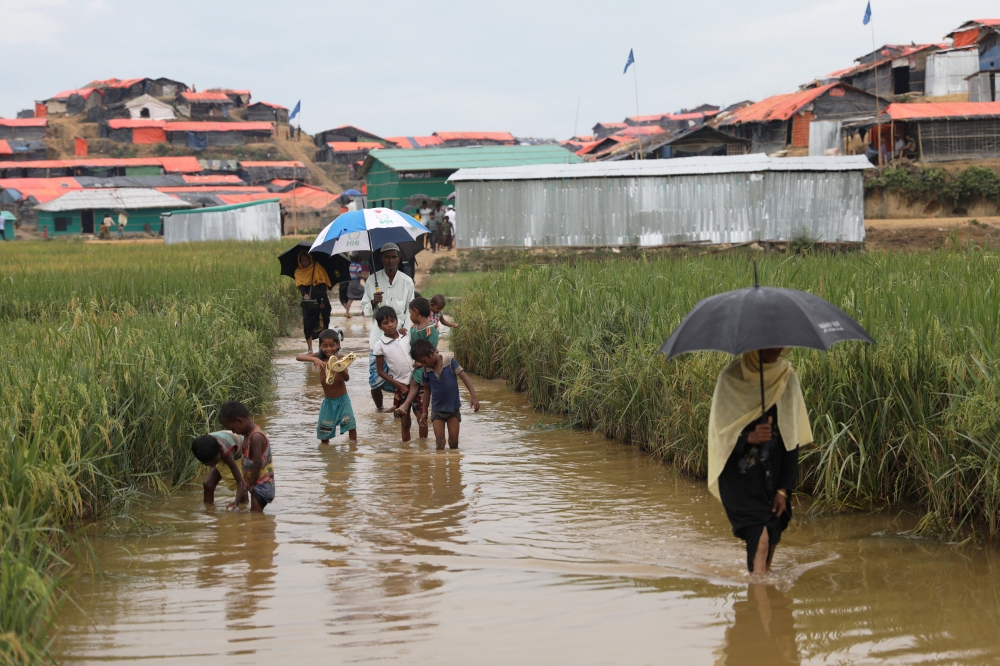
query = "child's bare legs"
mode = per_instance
[
  {"x": 439, "y": 433},
  {"x": 405, "y": 423},
  {"x": 324, "y": 441},
  {"x": 352, "y": 435},
  {"x": 255, "y": 506},
  {"x": 439, "y": 428},
  {"x": 422, "y": 429},
  {"x": 347, "y": 309}
]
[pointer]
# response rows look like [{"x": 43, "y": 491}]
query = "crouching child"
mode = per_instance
[
  {"x": 258, "y": 470},
  {"x": 441, "y": 374},
  {"x": 221, "y": 451}
]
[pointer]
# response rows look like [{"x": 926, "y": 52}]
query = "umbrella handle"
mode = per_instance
[
  {"x": 375, "y": 272},
  {"x": 763, "y": 404}
]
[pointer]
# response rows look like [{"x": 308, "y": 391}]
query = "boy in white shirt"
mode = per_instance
[{"x": 392, "y": 351}]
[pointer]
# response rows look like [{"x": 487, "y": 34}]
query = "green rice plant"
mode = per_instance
[
  {"x": 915, "y": 418},
  {"x": 111, "y": 359}
]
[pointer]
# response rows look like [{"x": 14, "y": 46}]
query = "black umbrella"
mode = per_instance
[
  {"x": 336, "y": 266},
  {"x": 761, "y": 318},
  {"x": 415, "y": 199}
]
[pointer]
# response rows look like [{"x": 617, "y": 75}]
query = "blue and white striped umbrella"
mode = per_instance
[{"x": 368, "y": 230}]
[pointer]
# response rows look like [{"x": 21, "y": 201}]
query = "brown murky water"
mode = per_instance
[{"x": 532, "y": 544}]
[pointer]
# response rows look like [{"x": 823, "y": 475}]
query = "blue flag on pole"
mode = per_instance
[
  {"x": 631, "y": 59},
  {"x": 295, "y": 111},
  {"x": 868, "y": 13}
]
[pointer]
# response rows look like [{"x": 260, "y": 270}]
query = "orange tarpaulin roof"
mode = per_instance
[
  {"x": 205, "y": 97},
  {"x": 5, "y": 148},
  {"x": 169, "y": 164},
  {"x": 24, "y": 122},
  {"x": 218, "y": 127},
  {"x": 777, "y": 107},
  {"x": 475, "y": 136},
  {"x": 933, "y": 111}
]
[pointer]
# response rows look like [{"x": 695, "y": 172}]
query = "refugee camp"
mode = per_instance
[{"x": 476, "y": 334}]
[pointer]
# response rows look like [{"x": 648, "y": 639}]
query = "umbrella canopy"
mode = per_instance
[
  {"x": 451, "y": 197},
  {"x": 415, "y": 199},
  {"x": 350, "y": 193},
  {"x": 761, "y": 318},
  {"x": 369, "y": 229},
  {"x": 336, "y": 267}
]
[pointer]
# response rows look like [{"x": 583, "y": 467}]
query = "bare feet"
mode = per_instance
[{"x": 324, "y": 441}]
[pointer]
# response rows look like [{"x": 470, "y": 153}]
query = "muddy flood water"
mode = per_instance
[{"x": 532, "y": 544}]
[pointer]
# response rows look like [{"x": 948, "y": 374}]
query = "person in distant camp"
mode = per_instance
[
  {"x": 106, "y": 225},
  {"x": 359, "y": 270},
  {"x": 753, "y": 463},
  {"x": 336, "y": 410},
  {"x": 312, "y": 281},
  {"x": 122, "y": 223},
  {"x": 432, "y": 224}
]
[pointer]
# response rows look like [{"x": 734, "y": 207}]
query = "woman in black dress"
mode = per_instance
[
  {"x": 312, "y": 281},
  {"x": 753, "y": 461}
]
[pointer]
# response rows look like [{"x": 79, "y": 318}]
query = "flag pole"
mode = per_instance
[
  {"x": 635, "y": 78},
  {"x": 878, "y": 111}
]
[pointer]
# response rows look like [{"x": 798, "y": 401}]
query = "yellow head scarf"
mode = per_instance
[
  {"x": 311, "y": 275},
  {"x": 736, "y": 403}
]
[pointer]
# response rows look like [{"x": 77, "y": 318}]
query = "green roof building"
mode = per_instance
[{"x": 393, "y": 176}]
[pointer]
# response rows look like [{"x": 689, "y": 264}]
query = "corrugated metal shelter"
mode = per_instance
[
  {"x": 983, "y": 86},
  {"x": 392, "y": 176},
  {"x": 254, "y": 221},
  {"x": 698, "y": 141},
  {"x": 80, "y": 210},
  {"x": 345, "y": 133},
  {"x": 201, "y": 135},
  {"x": 948, "y": 70},
  {"x": 72, "y": 102},
  {"x": 120, "y": 90},
  {"x": 127, "y": 130},
  {"x": 733, "y": 199},
  {"x": 953, "y": 131},
  {"x": 345, "y": 152},
  {"x": 265, "y": 172},
  {"x": 22, "y": 149},
  {"x": 893, "y": 69},
  {"x": 265, "y": 111},
  {"x": 783, "y": 120},
  {"x": 201, "y": 105},
  {"x": 23, "y": 128},
  {"x": 164, "y": 87}
]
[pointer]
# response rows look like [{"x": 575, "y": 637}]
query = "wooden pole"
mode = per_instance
[
  {"x": 635, "y": 78},
  {"x": 878, "y": 111}
]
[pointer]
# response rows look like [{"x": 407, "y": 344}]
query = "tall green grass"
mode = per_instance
[
  {"x": 914, "y": 418},
  {"x": 111, "y": 358}
]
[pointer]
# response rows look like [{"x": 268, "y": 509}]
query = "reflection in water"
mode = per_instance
[
  {"x": 533, "y": 543},
  {"x": 763, "y": 630}
]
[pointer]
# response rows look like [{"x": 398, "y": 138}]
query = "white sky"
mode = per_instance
[{"x": 394, "y": 67}]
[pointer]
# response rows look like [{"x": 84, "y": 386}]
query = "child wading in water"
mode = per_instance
[
  {"x": 393, "y": 351},
  {"x": 423, "y": 329},
  {"x": 217, "y": 449},
  {"x": 441, "y": 375},
  {"x": 437, "y": 315},
  {"x": 258, "y": 471},
  {"x": 336, "y": 409}
]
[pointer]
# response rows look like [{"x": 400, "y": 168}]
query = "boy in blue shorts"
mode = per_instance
[
  {"x": 441, "y": 375},
  {"x": 336, "y": 409}
]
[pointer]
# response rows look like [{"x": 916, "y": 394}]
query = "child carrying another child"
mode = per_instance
[
  {"x": 437, "y": 315},
  {"x": 441, "y": 375},
  {"x": 254, "y": 453},
  {"x": 422, "y": 329},
  {"x": 392, "y": 351},
  {"x": 336, "y": 409}
]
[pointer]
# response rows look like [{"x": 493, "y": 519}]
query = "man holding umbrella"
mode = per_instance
[{"x": 391, "y": 288}]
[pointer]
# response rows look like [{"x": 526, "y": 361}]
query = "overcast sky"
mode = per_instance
[{"x": 412, "y": 68}]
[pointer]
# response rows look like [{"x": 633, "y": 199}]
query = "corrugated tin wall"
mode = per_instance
[
  {"x": 656, "y": 210},
  {"x": 261, "y": 222},
  {"x": 947, "y": 72}
]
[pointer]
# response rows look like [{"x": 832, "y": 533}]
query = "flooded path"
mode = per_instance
[{"x": 532, "y": 544}]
